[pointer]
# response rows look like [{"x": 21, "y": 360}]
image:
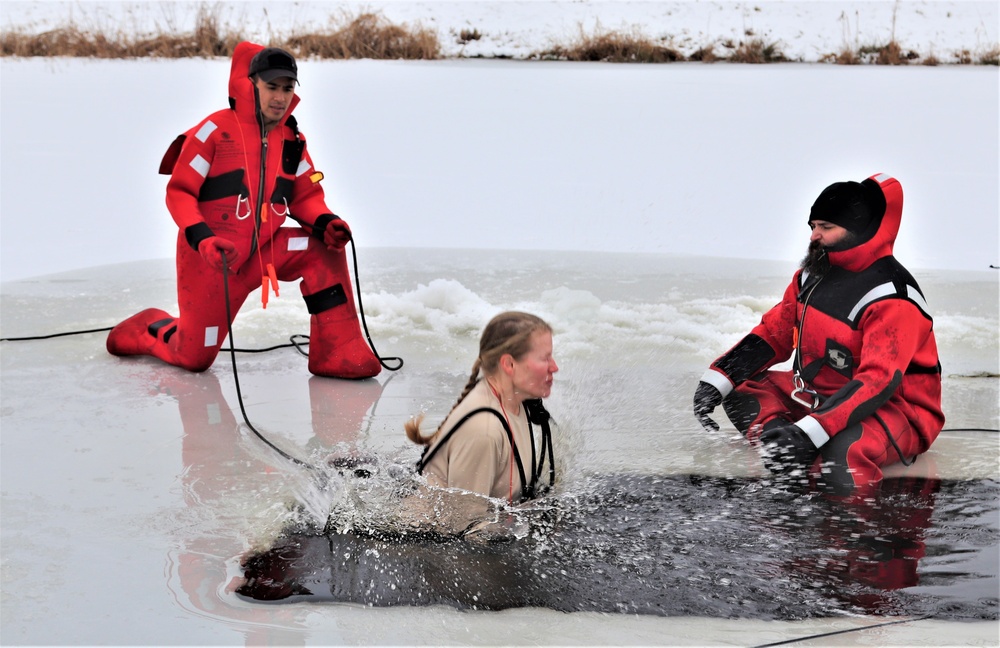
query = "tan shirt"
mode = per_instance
[{"x": 478, "y": 455}]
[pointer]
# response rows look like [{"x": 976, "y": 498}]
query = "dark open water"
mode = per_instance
[{"x": 676, "y": 546}]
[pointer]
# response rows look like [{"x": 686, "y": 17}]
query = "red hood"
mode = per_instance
[
  {"x": 242, "y": 94},
  {"x": 886, "y": 225}
]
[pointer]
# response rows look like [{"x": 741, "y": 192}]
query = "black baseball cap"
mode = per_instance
[{"x": 273, "y": 62}]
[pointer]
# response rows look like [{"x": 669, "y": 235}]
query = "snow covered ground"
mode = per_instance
[
  {"x": 804, "y": 30},
  {"x": 655, "y": 211}
]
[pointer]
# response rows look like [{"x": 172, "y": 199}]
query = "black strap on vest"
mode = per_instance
[{"x": 536, "y": 413}]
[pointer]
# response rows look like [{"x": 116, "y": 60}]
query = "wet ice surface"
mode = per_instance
[{"x": 131, "y": 489}]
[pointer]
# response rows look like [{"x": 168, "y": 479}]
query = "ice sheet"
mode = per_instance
[{"x": 129, "y": 486}]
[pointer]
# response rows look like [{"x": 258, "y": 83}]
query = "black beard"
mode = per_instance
[{"x": 816, "y": 262}]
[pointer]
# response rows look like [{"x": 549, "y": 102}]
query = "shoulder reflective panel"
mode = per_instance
[
  {"x": 882, "y": 177},
  {"x": 876, "y": 293},
  {"x": 200, "y": 165},
  {"x": 206, "y": 129},
  {"x": 914, "y": 296}
]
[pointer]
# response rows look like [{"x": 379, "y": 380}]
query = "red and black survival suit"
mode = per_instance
[
  {"x": 866, "y": 385},
  {"x": 230, "y": 180}
]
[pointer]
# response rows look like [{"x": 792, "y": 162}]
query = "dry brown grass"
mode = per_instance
[
  {"x": 611, "y": 47},
  {"x": 891, "y": 53},
  {"x": 704, "y": 54},
  {"x": 371, "y": 36},
  {"x": 846, "y": 56},
  {"x": 365, "y": 36},
  {"x": 990, "y": 56},
  {"x": 467, "y": 35},
  {"x": 964, "y": 57},
  {"x": 757, "y": 51},
  {"x": 206, "y": 40}
]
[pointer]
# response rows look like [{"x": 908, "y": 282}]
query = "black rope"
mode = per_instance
[
  {"x": 54, "y": 335},
  {"x": 364, "y": 322},
  {"x": 839, "y": 632},
  {"x": 899, "y": 453},
  {"x": 296, "y": 343},
  {"x": 236, "y": 376},
  {"x": 296, "y": 340}
]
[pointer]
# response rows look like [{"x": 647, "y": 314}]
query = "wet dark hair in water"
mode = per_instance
[{"x": 509, "y": 332}]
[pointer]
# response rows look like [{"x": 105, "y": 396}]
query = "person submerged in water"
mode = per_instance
[{"x": 488, "y": 444}]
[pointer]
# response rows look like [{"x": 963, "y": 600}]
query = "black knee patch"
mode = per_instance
[
  {"x": 154, "y": 328},
  {"x": 325, "y": 299}
]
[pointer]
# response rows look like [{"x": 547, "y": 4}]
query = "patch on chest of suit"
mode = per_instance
[
  {"x": 228, "y": 149},
  {"x": 839, "y": 358}
]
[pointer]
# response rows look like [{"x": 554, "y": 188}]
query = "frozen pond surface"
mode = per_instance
[{"x": 131, "y": 489}]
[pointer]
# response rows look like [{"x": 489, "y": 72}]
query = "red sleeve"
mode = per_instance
[
  {"x": 190, "y": 171},
  {"x": 777, "y": 327},
  {"x": 770, "y": 342}
]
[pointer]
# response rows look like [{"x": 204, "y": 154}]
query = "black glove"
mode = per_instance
[
  {"x": 786, "y": 448},
  {"x": 706, "y": 399}
]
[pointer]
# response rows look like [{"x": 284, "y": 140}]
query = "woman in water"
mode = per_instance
[{"x": 488, "y": 444}]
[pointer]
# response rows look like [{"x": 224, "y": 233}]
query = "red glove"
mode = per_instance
[
  {"x": 337, "y": 234},
  {"x": 211, "y": 250}
]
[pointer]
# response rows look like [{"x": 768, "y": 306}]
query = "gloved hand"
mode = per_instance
[
  {"x": 786, "y": 447},
  {"x": 337, "y": 234},
  {"x": 706, "y": 399},
  {"x": 211, "y": 250}
]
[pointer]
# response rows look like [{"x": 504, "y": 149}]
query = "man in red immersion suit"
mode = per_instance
[
  {"x": 234, "y": 180},
  {"x": 864, "y": 390}
]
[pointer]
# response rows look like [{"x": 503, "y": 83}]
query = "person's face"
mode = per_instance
[
  {"x": 275, "y": 98},
  {"x": 532, "y": 373},
  {"x": 826, "y": 234}
]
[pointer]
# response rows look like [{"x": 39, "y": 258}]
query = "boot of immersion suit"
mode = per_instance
[
  {"x": 337, "y": 348},
  {"x": 138, "y": 334}
]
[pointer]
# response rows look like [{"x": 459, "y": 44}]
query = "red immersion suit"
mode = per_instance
[
  {"x": 229, "y": 180},
  {"x": 865, "y": 345}
]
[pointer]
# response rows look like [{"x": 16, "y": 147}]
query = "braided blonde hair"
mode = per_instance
[{"x": 507, "y": 333}]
